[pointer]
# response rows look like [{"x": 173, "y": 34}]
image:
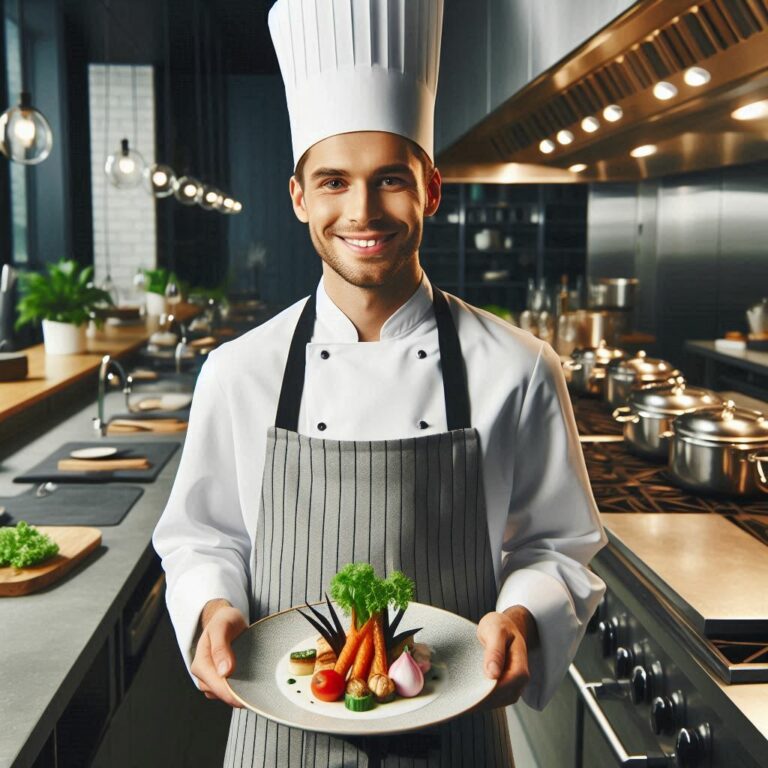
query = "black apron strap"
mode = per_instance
[{"x": 451, "y": 361}]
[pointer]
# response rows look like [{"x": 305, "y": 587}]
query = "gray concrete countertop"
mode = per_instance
[{"x": 50, "y": 638}]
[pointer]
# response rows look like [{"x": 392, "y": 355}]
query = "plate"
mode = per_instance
[
  {"x": 260, "y": 678},
  {"x": 97, "y": 452}
]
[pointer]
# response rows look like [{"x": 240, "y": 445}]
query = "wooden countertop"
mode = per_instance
[{"x": 49, "y": 374}]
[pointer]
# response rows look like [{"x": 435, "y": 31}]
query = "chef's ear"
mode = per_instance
[
  {"x": 297, "y": 198},
  {"x": 434, "y": 192}
]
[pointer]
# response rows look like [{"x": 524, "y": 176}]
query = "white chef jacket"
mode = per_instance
[{"x": 543, "y": 523}]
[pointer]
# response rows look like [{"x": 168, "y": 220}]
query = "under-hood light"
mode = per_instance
[
  {"x": 578, "y": 167},
  {"x": 757, "y": 110},
  {"x": 564, "y": 137},
  {"x": 664, "y": 91},
  {"x": 696, "y": 76},
  {"x": 590, "y": 124},
  {"x": 613, "y": 112},
  {"x": 547, "y": 146},
  {"x": 646, "y": 150}
]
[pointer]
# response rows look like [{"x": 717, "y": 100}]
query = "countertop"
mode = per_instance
[
  {"x": 50, "y": 638},
  {"x": 748, "y": 359}
]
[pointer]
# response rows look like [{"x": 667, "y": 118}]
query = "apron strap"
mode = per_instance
[{"x": 451, "y": 363}]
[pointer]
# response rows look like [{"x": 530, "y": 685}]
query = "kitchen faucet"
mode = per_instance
[
  {"x": 175, "y": 326},
  {"x": 106, "y": 375}
]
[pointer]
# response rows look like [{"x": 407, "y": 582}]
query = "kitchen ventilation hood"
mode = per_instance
[{"x": 655, "y": 41}]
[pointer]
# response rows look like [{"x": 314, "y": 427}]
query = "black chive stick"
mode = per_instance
[
  {"x": 335, "y": 616},
  {"x": 319, "y": 616}
]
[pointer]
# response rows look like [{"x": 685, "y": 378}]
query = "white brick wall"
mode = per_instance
[{"x": 130, "y": 212}]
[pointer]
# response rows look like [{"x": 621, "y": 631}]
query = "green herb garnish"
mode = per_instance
[{"x": 22, "y": 545}]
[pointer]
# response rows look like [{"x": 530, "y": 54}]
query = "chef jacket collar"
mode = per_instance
[{"x": 334, "y": 326}]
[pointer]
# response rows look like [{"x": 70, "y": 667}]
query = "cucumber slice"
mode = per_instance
[{"x": 358, "y": 703}]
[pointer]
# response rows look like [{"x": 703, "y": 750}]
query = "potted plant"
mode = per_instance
[
  {"x": 155, "y": 283},
  {"x": 64, "y": 298}
]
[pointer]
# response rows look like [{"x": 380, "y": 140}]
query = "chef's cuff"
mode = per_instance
[
  {"x": 558, "y": 627},
  {"x": 194, "y": 588}
]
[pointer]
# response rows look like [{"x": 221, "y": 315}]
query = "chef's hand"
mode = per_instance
[
  {"x": 506, "y": 638},
  {"x": 214, "y": 660}
]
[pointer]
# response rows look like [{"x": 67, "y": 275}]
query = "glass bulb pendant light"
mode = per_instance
[
  {"x": 25, "y": 135},
  {"x": 159, "y": 180},
  {"x": 125, "y": 168},
  {"x": 227, "y": 204},
  {"x": 211, "y": 199},
  {"x": 188, "y": 190}
]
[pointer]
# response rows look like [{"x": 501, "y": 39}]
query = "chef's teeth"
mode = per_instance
[{"x": 362, "y": 243}]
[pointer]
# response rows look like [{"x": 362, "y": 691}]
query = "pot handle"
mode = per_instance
[
  {"x": 758, "y": 459},
  {"x": 624, "y": 414}
]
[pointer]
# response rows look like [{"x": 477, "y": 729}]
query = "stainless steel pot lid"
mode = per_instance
[
  {"x": 643, "y": 368},
  {"x": 672, "y": 398},
  {"x": 600, "y": 355},
  {"x": 724, "y": 424}
]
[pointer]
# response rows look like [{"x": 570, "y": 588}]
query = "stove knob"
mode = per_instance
[
  {"x": 667, "y": 712},
  {"x": 693, "y": 747},
  {"x": 594, "y": 622},
  {"x": 608, "y": 637},
  {"x": 625, "y": 661},
  {"x": 640, "y": 687}
]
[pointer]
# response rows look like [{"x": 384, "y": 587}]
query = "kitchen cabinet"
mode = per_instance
[{"x": 488, "y": 241}]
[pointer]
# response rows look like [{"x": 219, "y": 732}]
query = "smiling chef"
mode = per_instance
[{"x": 380, "y": 419}]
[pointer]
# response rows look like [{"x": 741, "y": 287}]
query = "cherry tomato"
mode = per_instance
[{"x": 328, "y": 685}]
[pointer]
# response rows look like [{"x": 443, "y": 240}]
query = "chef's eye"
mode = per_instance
[
  {"x": 392, "y": 181},
  {"x": 333, "y": 184}
]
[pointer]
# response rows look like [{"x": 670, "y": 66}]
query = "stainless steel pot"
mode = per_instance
[
  {"x": 624, "y": 375},
  {"x": 648, "y": 418},
  {"x": 586, "y": 368},
  {"x": 721, "y": 450},
  {"x": 613, "y": 293}
]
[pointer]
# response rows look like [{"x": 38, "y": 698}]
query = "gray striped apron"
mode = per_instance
[{"x": 414, "y": 505}]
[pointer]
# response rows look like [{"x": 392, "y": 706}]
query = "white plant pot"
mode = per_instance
[
  {"x": 155, "y": 304},
  {"x": 63, "y": 338}
]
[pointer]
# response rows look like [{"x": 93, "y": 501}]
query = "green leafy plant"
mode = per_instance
[
  {"x": 22, "y": 545},
  {"x": 156, "y": 280},
  {"x": 64, "y": 293}
]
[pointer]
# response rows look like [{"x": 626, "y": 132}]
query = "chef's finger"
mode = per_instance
[
  {"x": 210, "y": 682},
  {"x": 514, "y": 678},
  {"x": 494, "y": 638},
  {"x": 222, "y": 629}
]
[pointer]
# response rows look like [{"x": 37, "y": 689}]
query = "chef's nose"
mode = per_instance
[{"x": 363, "y": 205}]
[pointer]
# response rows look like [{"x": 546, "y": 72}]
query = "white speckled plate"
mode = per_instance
[{"x": 260, "y": 678}]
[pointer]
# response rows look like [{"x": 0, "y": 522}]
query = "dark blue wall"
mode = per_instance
[{"x": 269, "y": 249}]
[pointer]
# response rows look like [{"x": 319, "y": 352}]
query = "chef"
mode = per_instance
[{"x": 380, "y": 419}]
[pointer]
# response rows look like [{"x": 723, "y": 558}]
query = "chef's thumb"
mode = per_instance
[
  {"x": 221, "y": 635},
  {"x": 495, "y": 642}
]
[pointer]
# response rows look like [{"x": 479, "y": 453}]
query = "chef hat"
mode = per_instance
[{"x": 358, "y": 65}]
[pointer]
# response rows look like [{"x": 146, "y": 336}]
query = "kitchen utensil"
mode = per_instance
[
  {"x": 102, "y": 465},
  {"x": 757, "y": 317},
  {"x": 75, "y": 543},
  {"x": 94, "y": 452},
  {"x": 263, "y": 646},
  {"x": 721, "y": 450},
  {"x": 613, "y": 293},
  {"x": 625, "y": 374},
  {"x": 648, "y": 417},
  {"x": 588, "y": 365}
]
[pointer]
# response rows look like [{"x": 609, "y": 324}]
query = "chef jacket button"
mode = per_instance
[
  {"x": 321, "y": 426},
  {"x": 422, "y": 354},
  {"x": 325, "y": 354},
  {"x": 423, "y": 424}
]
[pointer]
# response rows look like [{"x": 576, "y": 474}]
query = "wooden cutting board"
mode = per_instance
[{"x": 75, "y": 543}]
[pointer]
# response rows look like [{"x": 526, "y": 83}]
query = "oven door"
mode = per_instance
[{"x": 611, "y": 732}]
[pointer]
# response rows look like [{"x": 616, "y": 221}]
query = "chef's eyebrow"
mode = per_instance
[{"x": 326, "y": 173}]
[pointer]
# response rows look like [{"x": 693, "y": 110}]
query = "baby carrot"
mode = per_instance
[
  {"x": 364, "y": 658},
  {"x": 349, "y": 651},
  {"x": 379, "y": 665}
]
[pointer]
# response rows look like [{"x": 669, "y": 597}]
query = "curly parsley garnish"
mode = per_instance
[{"x": 22, "y": 545}]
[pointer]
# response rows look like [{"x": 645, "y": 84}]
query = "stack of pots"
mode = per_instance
[
  {"x": 624, "y": 374},
  {"x": 587, "y": 367},
  {"x": 721, "y": 450},
  {"x": 648, "y": 417}
]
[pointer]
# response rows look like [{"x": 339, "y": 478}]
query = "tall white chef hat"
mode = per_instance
[{"x": 358, "y": 65}]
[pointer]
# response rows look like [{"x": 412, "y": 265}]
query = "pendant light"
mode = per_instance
[
  {"x": 25, "y": 134},
  {"x": 188, "y": 190},
  {"x": 125, "y": 167},
  {"x": 160, "y": 178}
]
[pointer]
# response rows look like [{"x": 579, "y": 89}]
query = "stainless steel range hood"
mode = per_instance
[{"x": 654, "y": 41}]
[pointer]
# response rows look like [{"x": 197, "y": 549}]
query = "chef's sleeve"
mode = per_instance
[
  {"x": 201, "y": 536},
  {"x": 553, "y": 529}
]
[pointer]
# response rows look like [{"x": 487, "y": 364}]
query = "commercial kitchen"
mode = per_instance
[{"x": 605, "y": 178}]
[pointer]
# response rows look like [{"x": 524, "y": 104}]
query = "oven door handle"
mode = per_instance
[{"x": 588, "y": 692}]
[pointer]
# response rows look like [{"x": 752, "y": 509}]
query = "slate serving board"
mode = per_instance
[
  {"x": 71, "y": 504},
  {"x": 156, "y": 452}
]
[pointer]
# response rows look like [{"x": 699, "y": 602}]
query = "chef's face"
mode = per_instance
[{"x": 364, "y": 196}]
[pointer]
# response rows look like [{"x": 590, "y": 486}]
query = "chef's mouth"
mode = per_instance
[{"x": 367, "y": 245}]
